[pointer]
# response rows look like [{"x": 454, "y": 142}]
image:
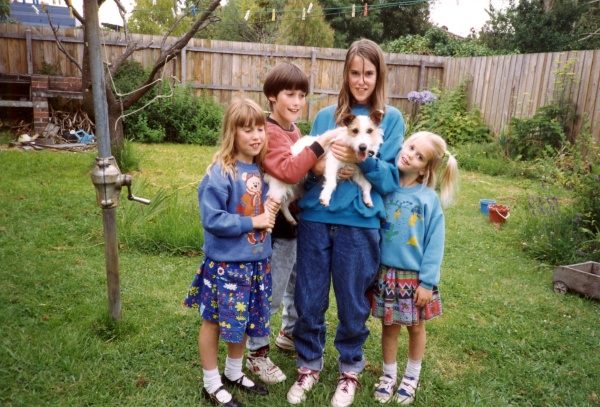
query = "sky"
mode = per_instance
[{"x": 458, "y": 15}]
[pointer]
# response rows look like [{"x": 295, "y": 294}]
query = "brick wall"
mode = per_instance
[{"x": 40, "y": 85}]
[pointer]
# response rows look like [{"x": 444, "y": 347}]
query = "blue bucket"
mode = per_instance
[{"x": 484, "y": 205}]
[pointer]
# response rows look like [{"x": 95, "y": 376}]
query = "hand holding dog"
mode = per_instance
[
  {"x": 265, "y": 220},
  {"x": 329, "y": 136},
  {"x": 344, "y": 153},
  {"x": 272, "y": 205}
]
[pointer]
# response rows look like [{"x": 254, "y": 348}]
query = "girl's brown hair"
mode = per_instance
[
  {"x": 240, "y": 113},
  {"x": 370, "y": 51},
  {"x": 449, "y": 175}
]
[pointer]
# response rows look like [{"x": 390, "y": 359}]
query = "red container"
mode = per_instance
[{"x": 498, "y": 213}]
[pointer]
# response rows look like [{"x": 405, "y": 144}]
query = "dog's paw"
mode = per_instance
[
  {"x": 324, "y": 202},
  {"x": 368, "y": 201}
]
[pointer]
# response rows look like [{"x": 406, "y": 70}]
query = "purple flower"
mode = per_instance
[{"x": 425, "y": 97}]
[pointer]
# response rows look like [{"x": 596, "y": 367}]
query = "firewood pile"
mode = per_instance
[
  {"x": 58, "y": 134},
  {"x": 67, "y": 121}
]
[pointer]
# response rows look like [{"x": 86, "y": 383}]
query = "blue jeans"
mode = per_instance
[
  {"x": 283, "y": 275},
  {"x": 348, "y": 257}
]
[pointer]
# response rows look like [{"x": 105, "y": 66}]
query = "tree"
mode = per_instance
[
  {"x": 4, "y": 10},
  {"x": 257, "y": 28},
  {"x": 167, "y": 53},
  {"x": 310, "y": 31},
  {"x": 148, "y": 18},
  {"x": 386, "y": 20},
  {"x": 544, "y": 26},
  {"x": 439, "y": 42}
]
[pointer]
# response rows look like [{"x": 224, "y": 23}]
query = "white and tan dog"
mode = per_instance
[{"x": 362, "y": 135}]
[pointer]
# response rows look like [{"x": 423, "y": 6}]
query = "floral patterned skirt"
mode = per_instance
[
  {"x": 233, "y": 295},
  {"x": 393, "y": 302}
]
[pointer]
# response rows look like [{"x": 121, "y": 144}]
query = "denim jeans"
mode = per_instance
[
  {"x": 283, "y": 276},
  {"x": 348, "y": 257}
]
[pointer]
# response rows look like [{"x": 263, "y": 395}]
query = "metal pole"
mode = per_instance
[{"x": 92, "y": 37}]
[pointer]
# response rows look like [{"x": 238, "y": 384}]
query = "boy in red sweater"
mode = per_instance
[{"x": 286, "y": 87}]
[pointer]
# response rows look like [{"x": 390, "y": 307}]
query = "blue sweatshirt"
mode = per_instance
[
  {"x": 413, "y": 236},
  {"x": 346, "y": 206},
  {"x": 226, "y": 208}
]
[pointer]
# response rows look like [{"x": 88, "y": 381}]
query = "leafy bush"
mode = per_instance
[
  {"x": 550, "y": 128},
  {"x": 180, "y": 117},
  {"x": 555, "y": 233},
  {"x": 488, "y": 158},
  {"x": 450, "y": 117},
  {"x": 304, "y": 126},
  {"x": 571, "y": 234},
  {"x": 530, "y": 138},
  {"x": 438, "y": 42},
  {"x": 167, "y": 114}
]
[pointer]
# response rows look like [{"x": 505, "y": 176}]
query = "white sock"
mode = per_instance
[
  {"x": 413, "y": 368},
  {"x": 391, "y": 370},
  {"x": 233, "y": 371},
  {"x": 211, "y": 380}
]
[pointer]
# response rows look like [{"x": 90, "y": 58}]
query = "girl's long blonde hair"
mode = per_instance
[
  {"x": 240, "y": 113},
  {"x": 370, "y": 51},
  {"x": 449, "y": 175}
]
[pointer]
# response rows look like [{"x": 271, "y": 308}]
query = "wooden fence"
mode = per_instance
[
  {"x": 501, "y": 87},
  {"x": 517, "y": 85}
]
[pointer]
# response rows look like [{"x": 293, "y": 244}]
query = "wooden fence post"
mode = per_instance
[
  {"x": 183, "y": 66},
  {"x": 313, "y": 66},
  {"x": 29, "y": 52}
]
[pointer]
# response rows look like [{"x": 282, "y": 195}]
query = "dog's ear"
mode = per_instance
[
  {"x": 376, "y": 116},
  {"x": 347, "y": 119}
]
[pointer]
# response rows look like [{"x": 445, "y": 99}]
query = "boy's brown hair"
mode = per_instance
[{"x": 285, "y": 76}]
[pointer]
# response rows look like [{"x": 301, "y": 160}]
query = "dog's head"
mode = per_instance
[{"x": 363, "y": 134}]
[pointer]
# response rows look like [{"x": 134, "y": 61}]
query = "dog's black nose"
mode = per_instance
[{"x": 362, "y": 147}]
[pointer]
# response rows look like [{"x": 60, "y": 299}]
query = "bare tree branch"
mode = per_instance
[
  {"x": 76, "y": 14},
  {"x": 171, "y": 52},
  {"x": 59, "y": 43},
  {"x": 123, "y": 14},
  {"x": 589, "y": 35}
]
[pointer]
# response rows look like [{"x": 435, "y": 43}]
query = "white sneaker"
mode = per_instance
[
  {"x": 285, "y": 342},
  {"x": 346, "y": 388},
  {"x": 407, "y": 391},
  {"x": 385, "y": 388},
  {"x": 306, "y": 380},
  {"x": 264, "y": 368}
]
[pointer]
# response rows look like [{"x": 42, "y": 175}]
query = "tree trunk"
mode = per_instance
[{"x": 115, "y": 123}]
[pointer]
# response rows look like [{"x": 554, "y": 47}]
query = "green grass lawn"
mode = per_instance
[{"x": 505, "y": 338}]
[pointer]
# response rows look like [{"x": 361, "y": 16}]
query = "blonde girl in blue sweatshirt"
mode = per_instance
[
  {"x": 412, "y": 248},
  {"x": 232, "y": 287}
]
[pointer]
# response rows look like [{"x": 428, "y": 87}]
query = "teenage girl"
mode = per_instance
[
  {"x": 412, "y": 248},
  {"x": 339, "y": 244},
  {"x": 232, "y": 287}
]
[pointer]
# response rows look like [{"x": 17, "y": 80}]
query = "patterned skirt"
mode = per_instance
[
  {"x": 233, "y": 295},
  {"x": 393, "y": 302}
]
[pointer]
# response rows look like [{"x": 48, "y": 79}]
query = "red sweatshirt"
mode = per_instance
[
  {"x": 281, "y": 164},
  {"x": 279, "y": 161}
]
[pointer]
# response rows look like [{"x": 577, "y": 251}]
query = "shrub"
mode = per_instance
[
  {"x": 556, "y": 233},
  {"x": 550, "y": 128},
  {"x": 571, "y": 234},
  {"x": 304, "y": 126},
  {"x": 438, "y": 42},
  {"x": 531, "y": 138},
  {"x": 488, "y": 158},
  {"x": 450, "y": 117},
  {"x": 180, "y": 117}
]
